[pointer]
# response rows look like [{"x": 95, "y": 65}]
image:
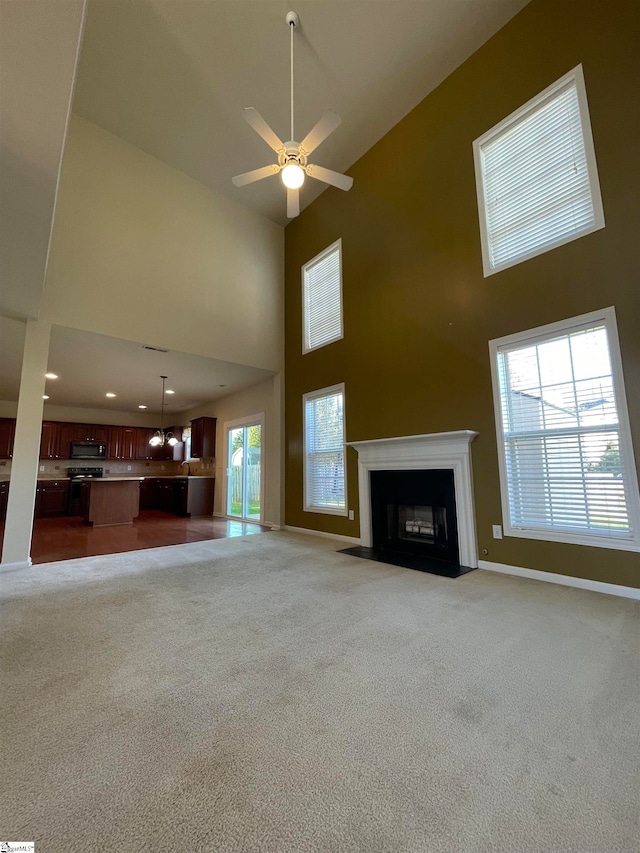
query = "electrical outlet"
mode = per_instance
[
  {"x": 162, "y": 467},
  {"x": 42, "y": 467},
  {"x": 497, "y": 531},
  {"x": 128, "y": 467},
  {"x": 351, "y": 515}
]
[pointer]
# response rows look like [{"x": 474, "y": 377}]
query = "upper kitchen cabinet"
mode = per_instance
[
  {"x": 49, "y": 440},
  {"x": 66, "y": 436},
  {"x": 143, "y": 448},
  {"x": 70, "y": 432},
  {"x": 203, "y": 438},
  {"x": 123, "y": 443},
  {"x": 7, "y": 432},
  {"x": 167, "y": 453},
  {"x": 92, "y": 432}
]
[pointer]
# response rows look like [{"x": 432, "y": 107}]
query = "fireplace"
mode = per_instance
[
  {"x": 416, "y": 502},
  {"x": 413, "y": 512}
]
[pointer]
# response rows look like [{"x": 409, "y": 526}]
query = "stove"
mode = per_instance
[
  {"x": 84, "y": 473},
  {"x": 77, "y": 475}
]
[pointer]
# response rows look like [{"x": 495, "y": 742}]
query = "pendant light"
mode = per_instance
[{"x": 160, "y": 439}]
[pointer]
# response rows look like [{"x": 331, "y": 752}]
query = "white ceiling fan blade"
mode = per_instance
[
  {"x": 293, "y": 203},
  {"x": 328, "y": 176},
  {"x": 319, "y": 133},
  {"x": 255, "y": 175},
  {"x": 262, "y": 128}
]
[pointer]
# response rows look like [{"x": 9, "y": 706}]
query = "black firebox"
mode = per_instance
[
  {"x": 414, "y": 512},
  {"x": 413, "y": 520}
]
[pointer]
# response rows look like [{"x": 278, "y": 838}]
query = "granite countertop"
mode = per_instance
[
  {"x": 180, "y": 476},
  {"x": 113, "y": 479}
]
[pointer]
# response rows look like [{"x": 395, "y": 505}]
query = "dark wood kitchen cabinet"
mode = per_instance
[
  {"x": 7, "y": 433},
  {"x": 4, "y": 498},
  {"x": 157, "y": 493},
  {"x": 168, "y": 452},
  {"x": 187, "y": 496},
  {"x": 99, "y": 433},
  {"x": 147, "y": 493},
  {"x": 123, "y": 442},
  {"x": 49, "y": 440},
  {"x": 165, "y": 500},
  {"x": 143, "y": 448},
  {"x": 193, "y": 496},
  {"x": 203, "y": 438},
  {"x": 52, "y": 498},
  {"x": 57, "y": 437},
  {"x": 66, "y": 435}
]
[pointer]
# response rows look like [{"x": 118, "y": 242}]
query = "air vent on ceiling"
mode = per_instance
[{"x": 155, "y": 349}]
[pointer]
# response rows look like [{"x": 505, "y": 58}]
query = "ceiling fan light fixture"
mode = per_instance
[
  {"x": 292, "y": 156},
  {"x": 293, "y": 176}
]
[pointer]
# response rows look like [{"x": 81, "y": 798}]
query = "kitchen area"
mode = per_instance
[
  {"x": 129, "y": 436},
  {"x": 95, "y": 480}
]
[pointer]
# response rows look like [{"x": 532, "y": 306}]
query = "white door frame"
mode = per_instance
[{"x": 251, "y": 420}]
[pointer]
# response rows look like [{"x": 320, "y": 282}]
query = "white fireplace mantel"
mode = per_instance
[{"x": 445, "y": 450}]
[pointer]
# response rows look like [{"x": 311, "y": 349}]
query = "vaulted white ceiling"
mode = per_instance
[{"x": 172, "y": 76}]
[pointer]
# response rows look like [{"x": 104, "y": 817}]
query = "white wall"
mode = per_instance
[
  {"x": 38, "y": 49},
  {"x": 264, "y": 398},
  {"x": 140, "y": 249}
]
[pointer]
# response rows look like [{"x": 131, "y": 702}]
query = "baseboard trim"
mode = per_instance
[
  {"x": 563, "y": 580},
  {"x": 352, "y": 540},
  {"x": 13, "y": 567}
]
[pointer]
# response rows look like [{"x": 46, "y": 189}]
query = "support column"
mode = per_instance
[{"x": 26, "y": 448}]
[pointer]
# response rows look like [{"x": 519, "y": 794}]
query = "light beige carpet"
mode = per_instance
[{"x": 269, "y": 694}]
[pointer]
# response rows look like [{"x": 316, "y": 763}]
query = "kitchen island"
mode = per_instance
[{"x": 110, "y": 500}]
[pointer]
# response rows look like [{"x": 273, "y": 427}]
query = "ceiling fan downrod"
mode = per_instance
[
  {"x": 293, "y": 21},
  {"x": 292, "y": 163}
]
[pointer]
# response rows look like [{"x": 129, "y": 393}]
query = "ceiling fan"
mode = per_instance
[{"x": 292, "y": 156}]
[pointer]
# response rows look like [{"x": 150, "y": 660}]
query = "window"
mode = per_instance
[
  {"x": 536, "y": 177},
  {"x": 567, "y": 468},
  {"x": 324, "y": 481},
  {"x": 322, "y": 298},
  {"x": 186, "y": 437}
]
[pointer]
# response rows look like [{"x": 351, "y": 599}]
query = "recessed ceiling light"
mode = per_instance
[
  {"x": 142, "y": 407},
  {"x": 51, "y": 375},
  {"x": 169, "y": 391},
  {"x": 109, "y": 394},
  {"x": 45, "y": 396}
]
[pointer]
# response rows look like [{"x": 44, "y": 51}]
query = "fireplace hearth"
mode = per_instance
[{"x": 416, "y": 502}]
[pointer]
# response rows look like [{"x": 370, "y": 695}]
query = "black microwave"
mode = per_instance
[{"x": 88, "y": 450}]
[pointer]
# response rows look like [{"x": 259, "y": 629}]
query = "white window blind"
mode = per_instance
[
  {"x": 566, "y": 455},
  {"x": 322, "y": 298},
  {"x": 324, "y": 450},
  {"x": 538, "y": 185}
]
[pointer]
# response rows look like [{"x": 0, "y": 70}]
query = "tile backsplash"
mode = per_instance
[{"x": 58, "y": 467}]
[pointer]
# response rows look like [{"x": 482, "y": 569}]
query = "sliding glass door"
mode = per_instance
[{"x": 244, "y": 471}]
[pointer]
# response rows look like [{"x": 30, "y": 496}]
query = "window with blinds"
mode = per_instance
[
  {"x": 537, "y": 178},
  {"x": 322, "y": 298},
  {"x": 324, "y": 480},
  {"x": 566, "y": 460}
]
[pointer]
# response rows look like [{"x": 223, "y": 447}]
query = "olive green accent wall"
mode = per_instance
[{"x": 418, "y": 313}]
